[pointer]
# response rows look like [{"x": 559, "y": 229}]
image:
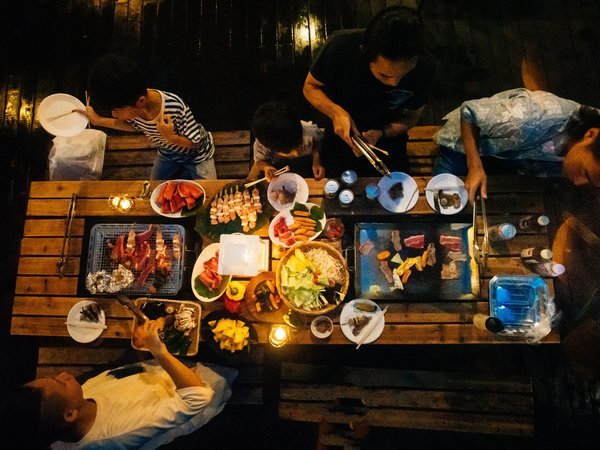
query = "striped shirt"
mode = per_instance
[{"x": 185, "y": 125}]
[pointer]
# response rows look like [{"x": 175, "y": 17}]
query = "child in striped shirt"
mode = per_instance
[{"x": 185, "y": 148}]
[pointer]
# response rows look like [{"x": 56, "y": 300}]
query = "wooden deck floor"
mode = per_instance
[{"x": 225, "y": 57}]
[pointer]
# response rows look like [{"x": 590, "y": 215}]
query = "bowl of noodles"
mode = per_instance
[{"x": 312, "y": 278}]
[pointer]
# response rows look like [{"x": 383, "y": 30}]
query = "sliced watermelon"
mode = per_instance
[
  {"x": 190, "y": 202},
  {"x": 166, "y": 207},
  {"x": 170, "y": 190},
  {"x": 177, "y": 202},
  {"x": 194, "y": 190},
  {"x": 184, "y": 190},
  {"x": 161, "y": 195}
]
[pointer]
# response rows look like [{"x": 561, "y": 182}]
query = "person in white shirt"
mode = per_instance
[
  {"x": 282, "y": 139},
  {"x": 117, "y": 409}
]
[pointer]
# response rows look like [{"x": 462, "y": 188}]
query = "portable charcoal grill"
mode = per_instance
[{"x": 99, "y": 255}]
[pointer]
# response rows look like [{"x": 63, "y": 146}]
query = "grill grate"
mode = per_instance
[{"x": 99, "y": 255}]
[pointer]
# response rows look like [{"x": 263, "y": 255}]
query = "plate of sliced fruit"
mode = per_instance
[
  {"x": 228, "y": 335},
  {"x": 303, "y": 222},
  {"x": 263, "y": 300},
  {"x": 177, "y": 198}
]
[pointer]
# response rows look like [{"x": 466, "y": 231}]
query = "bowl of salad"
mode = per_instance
[{"x": 312, "y": 278}]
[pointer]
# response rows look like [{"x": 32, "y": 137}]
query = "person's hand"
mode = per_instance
[
  {"x": 146, "y": 335},
  {"x": 166, "y": 127},
  {"x": 90, "y": 113},
  {"x": 318, "y": 170},
  {"x": 344, "y": 126},
  {"x": 270, "y": 173},
  {"x": 372, "y": 136},
  {"x": 476, "y": 180}
]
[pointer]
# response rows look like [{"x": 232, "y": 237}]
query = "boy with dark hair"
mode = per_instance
[
  {"x": 118, "y": 88},
  {"x": 520, "y": 131},
  {"x": 372, "y": 83},
  {"x": 146, "y": 407},
  {"x": 281, "y": 139}
]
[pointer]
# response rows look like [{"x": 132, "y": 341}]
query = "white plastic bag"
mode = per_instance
[{"x": 78, "y": 157}]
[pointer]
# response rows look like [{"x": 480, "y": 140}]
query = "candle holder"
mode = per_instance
[
  {"x": 121, "y": 202},
  {"x": 279, "y": 336}
]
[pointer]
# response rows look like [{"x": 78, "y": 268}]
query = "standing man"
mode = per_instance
[{"x": 372, "y": 83}]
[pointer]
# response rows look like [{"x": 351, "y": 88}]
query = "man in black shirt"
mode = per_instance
[{"x": 373, "y": 83}]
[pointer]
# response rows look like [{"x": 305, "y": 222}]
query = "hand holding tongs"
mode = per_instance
[
  {"x": 137, "y": 312},
  {"x": 64, "y": 254},
  {"x": 481, "y": 252},
  {"x": 366, "y": 150}
]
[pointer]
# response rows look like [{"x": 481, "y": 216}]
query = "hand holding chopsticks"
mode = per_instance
[
  {"x": 371, "y": 327},
  {"x": 278, "y": 172}
]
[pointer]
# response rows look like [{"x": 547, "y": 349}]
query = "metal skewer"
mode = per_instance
[{"x": 64, "y": 254}]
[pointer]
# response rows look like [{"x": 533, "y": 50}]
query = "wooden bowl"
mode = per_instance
[{"x": 307, "y": 246}]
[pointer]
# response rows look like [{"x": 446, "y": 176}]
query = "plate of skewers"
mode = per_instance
[{"x": 234, "y": 209}]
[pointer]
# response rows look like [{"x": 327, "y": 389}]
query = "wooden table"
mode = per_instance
[{"x": 43, "y": 299}]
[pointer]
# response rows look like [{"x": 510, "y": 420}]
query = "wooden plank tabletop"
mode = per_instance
[{"x": 42, "y": 299}]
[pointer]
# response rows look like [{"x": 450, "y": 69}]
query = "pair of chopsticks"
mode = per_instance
[
  {"x": 371, "y": 328},
  {"x": 64, "y": 254},
  {"x": 366, "y": 150},
  {"x": 278, "y": 172}
]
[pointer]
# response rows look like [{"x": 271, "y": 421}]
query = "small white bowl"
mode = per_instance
[{"x": 317, "y": 333}]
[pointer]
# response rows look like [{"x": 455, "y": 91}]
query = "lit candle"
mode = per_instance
[
  {"x": 125, "y": 203},
  {"x": 120, "y": 202},
  {"x": 279, "y": 335},
  {"x": 114, "y": 201}
]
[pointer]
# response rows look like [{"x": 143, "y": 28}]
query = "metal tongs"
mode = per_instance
[
  {"x": 481, "y": 253},
  {"x": 64, "y": 254},
  {"x": 375, "y": 161},
  {"x": 137, "y": 312}
]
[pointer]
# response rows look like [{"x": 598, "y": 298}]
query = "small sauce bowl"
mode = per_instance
[{"x": 321, "y": 327}]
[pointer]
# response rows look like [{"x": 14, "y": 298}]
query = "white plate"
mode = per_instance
[
  {"x": 81, "y": 334},
  {"x": 292, "y": 182},
  {"x": 289, "y": 219},
  {"x": 407, "y": 201},
  {"x": 206, "y": 254},
  {"x": 57, "y": 104},
  {"x": 348, "y": 312},
  {"x": 446, "y": 180},
  {"x": 157, "y": 190}
]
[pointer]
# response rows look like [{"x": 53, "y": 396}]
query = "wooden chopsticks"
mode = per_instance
[{"x": 278, "y": 172}]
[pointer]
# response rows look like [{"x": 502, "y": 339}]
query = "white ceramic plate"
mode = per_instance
[
  {"x": 156, "y": 206},
  {"x": 452, "y": 185},
  {"x": 404, "y": 203},
  {"x": 348, "y": 312},
  {"x": 289, "y": 219},
  {"x": 85, "y": 333},
  {"x": 292, "y": 182},
  {"x": 206, "y": 254},
  {"x": 54, "y": 106}
]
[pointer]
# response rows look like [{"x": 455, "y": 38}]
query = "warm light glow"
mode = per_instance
[
  {"x": 279, "y": 335},
  {"x": 121, "y": 202}
]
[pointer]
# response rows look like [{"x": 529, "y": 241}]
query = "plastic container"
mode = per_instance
[
  {"x": 502, "y": 232},
  {"x": 533, "y": 255},
  {"x": 349, "y": 177},
  {"x": 515, "y": 300},
  {"x": 372, "y": 192},
  {"x": 331, "y": 188},
  {"x": 346, "y": 198},
  {"x": 239, "y": 255},
  {"x": 533, "y": 223}
]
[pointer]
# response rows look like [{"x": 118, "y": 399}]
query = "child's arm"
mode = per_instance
[
  {"x": 166, "y": 128},
  {"x": 106, "y": 122},
  {"x": 317, "y": 167},
  {"x": 267, "y": 168}
]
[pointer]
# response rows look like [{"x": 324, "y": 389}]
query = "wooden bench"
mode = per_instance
[
  {"x": 84, "y": 362},
  {"x": 410, "y": 399},
  {"x": 130, "y": 157}
]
